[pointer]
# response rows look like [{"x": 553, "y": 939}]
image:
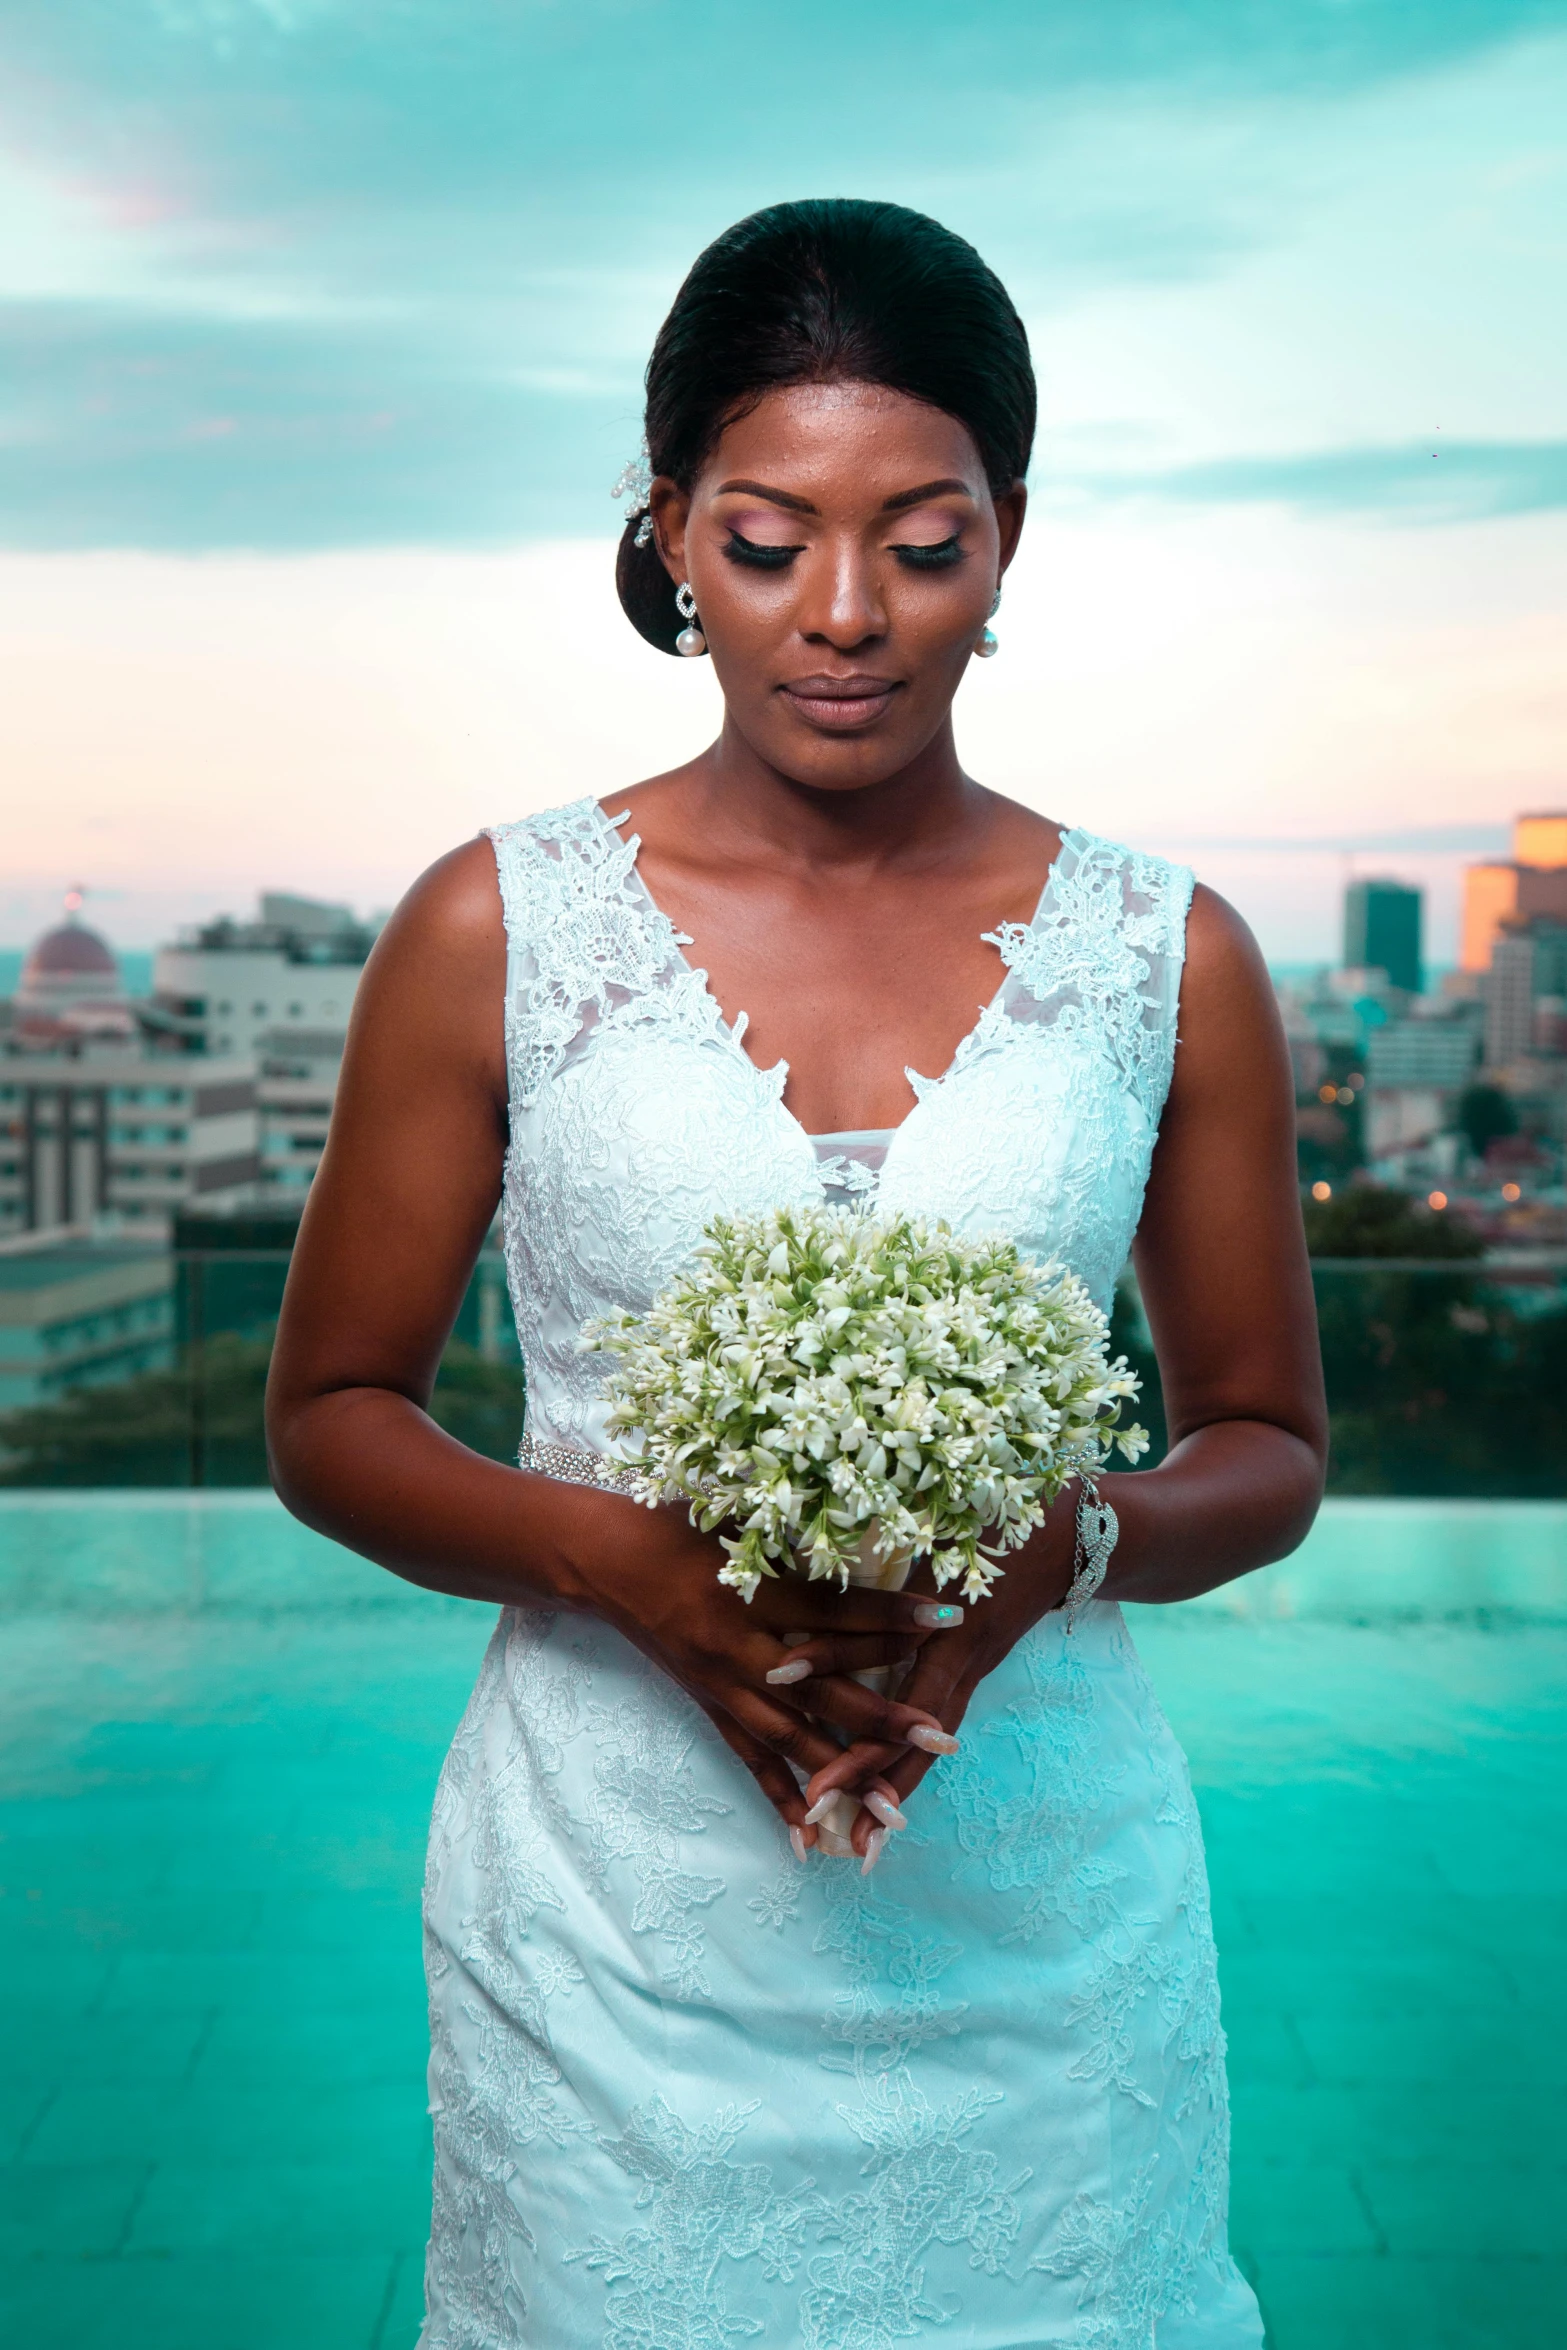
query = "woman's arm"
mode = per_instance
[
  {"x": 405, "y": 1194},
  {"x": 1221, "y": 1259}
]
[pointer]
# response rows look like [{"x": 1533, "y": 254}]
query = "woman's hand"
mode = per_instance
[
  {"x": 947, "y": 1671},
  {"x": 772, "y": 1675}
]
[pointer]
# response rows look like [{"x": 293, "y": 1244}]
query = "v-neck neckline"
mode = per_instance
[{"x": 733, "y": 1033}]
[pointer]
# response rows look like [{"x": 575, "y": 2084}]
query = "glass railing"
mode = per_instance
[
  {"x": 134, "y": 1366},
  {"x": 125, "y": 1365},
  {"x": 1443, "y": 1377}
]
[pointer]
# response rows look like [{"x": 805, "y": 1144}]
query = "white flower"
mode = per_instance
[{"x": 954, "y": 1370}]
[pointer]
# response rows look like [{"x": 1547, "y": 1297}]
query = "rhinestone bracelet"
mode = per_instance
[
  {"x": 1097, "y": 1529},
  {"x": 571, "y": 1467}
]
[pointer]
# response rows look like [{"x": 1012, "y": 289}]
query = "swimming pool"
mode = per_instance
[{"x": 219, "y": 1740}]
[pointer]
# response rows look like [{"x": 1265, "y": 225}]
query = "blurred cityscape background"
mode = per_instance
[{"x": 162, "y": 1117}]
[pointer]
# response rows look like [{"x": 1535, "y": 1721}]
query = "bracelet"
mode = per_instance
[
  {"x": 571, "y": 1467},
  {"x": 1097, "y": 1530}
]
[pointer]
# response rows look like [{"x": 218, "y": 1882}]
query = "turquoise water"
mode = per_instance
[{"x": 218, "y": 1741}]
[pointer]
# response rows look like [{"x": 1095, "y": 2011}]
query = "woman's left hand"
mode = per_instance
[{"x": 951, "y": 1665}]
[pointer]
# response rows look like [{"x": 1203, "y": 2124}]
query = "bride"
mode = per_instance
[{"x": 694, "y": 2078}]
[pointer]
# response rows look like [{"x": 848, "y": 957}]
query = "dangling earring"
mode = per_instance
[
  {"x": 989, "y": 641},
  {"x": 690, "y": 641}
]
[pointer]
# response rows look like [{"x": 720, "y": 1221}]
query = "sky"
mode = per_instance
[{"x": 321, "y": 333}]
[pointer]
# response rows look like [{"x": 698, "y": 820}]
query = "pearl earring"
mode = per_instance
[
  {"x": 989, "y": 642},
  {"x": 690, "y": 641}
]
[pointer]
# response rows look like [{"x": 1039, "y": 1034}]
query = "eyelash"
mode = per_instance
[
  {"x": 759, "y": 558},
  {"x": 939, "y": 557}
]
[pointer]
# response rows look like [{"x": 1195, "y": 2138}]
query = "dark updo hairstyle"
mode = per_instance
[{"x": 833, "y": 291}]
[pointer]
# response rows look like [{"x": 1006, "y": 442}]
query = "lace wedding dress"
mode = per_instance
[{"x": 686, "y": 2092}]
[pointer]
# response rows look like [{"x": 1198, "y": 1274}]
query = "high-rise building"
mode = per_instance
[
  {"x": 1382, "y": 931},
  {"x": 1533, "y": 885},
  {"x": 1509, "y": 1001}
]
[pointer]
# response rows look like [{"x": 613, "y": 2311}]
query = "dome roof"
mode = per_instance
[{"x": 71, "y": 952}]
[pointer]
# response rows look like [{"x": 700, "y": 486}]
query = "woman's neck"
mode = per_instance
[{"x": 745, "y": 806}]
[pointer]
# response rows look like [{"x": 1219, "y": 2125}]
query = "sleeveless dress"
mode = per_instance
[{"x": 686, "y": 2092}]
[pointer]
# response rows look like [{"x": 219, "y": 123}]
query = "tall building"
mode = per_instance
[
  {"x": 1509, "y": 1000},
  {"x": 1531, "y": 886},
  {"x": 1382, "y": 931}
]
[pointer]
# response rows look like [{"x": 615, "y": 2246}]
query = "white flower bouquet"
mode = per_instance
[{"x": 851, "y": 1393}]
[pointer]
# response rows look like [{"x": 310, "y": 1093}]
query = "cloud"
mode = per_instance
[
  {"x": 354, "y": 272},
  {"x": 1424, "y": 483},
  {"x": 123, "y": 427}
]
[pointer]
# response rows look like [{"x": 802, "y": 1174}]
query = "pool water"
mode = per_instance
[{"x": 219, "y": 1736}]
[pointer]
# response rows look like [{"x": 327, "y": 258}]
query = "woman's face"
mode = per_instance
[{"x": 844, "y": 551}]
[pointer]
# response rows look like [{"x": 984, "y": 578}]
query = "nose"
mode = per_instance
[{"x": 842, "y": 605}]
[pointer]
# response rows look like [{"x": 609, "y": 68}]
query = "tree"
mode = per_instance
[
  {"x": 1365, "y": 1220},
  {"x": 1484, "y": 1115}
]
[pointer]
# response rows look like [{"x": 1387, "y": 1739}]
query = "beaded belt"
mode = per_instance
[{"x": 571, "y": 1467}]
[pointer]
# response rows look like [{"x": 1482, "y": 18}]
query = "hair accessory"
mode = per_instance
[
  {"x": 690, "y": 641},
  {"x": 989, "y": 641},
  {"x": 634, "y": 482},
  {"x": 1097, "y": 1530}
]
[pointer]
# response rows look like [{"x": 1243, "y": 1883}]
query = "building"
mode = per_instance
[
  {"x": 295, "y": 1092},
  {"x": 77, "y": 1312},
  {"x": 276, "y": 992},
  {"x": 71, "y": 993},
  {"x": 1531, "y": 887},
  {"x": 93, "y": 1134},
  {"x": 1434, "y": 1053},
  {"x": 1509, "y": 999},
  {"x": 1382, "y": 924},
  {"x": 230, "y": 985}
]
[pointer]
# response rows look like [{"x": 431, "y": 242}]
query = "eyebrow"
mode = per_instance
[{"x": 894, "y": 505}]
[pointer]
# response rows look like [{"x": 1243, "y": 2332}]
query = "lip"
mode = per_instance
[{"x": 841, "y": 703}]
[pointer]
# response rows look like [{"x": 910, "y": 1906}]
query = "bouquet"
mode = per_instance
[{"x": 851, "y": 1393}]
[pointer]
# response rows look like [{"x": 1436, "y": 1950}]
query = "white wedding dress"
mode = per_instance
[{"x": 686, "y": 2092}]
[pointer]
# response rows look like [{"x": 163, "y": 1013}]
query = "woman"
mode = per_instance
[{"x": 687, "y": 2089}]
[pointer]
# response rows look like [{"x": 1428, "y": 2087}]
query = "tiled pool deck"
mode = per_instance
[{"x": 218, "y": 1745}]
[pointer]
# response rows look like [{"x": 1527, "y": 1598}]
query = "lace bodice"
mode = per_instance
[{"x": 637, "y": 1115}]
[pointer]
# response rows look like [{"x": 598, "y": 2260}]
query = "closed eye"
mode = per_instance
[
  {"x": 938, "y": 556},
  {"x": 757, "y": 556}
]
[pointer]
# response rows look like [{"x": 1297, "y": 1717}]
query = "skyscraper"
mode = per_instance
[
  {"x": 1533, "y": 884},
  {"x": 1382, "y": 930}
]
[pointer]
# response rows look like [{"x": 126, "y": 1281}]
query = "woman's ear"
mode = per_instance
[
  {"x": 670, "y": 507},
  {"x": 1011, "y": 507}
]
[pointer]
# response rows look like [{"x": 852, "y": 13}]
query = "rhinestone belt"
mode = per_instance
[{"x": 572, "y": 1467}]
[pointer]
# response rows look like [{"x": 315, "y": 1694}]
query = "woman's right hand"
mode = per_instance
[{"x": 654, "y": 1578}]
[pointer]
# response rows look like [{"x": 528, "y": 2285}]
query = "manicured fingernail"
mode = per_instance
[
  {"x": 819, "y": 1811},
  {"x": 885, "y": 1809},
  {"x": 801, "y": 1848},
  {"x": 933, "y": 1741},
  {"x": 873, "y": 1851},
  {"x": 800, "y": 1670},
  {"x": 937, "y": 1619},
  {"x": 796, "y": 1639}
]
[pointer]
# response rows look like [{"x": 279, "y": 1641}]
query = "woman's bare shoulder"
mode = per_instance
[
  {"x": 453, "y": 910},
  {"x": 1230, "y": 1028},
  {"x": 437, "y": 978}
]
